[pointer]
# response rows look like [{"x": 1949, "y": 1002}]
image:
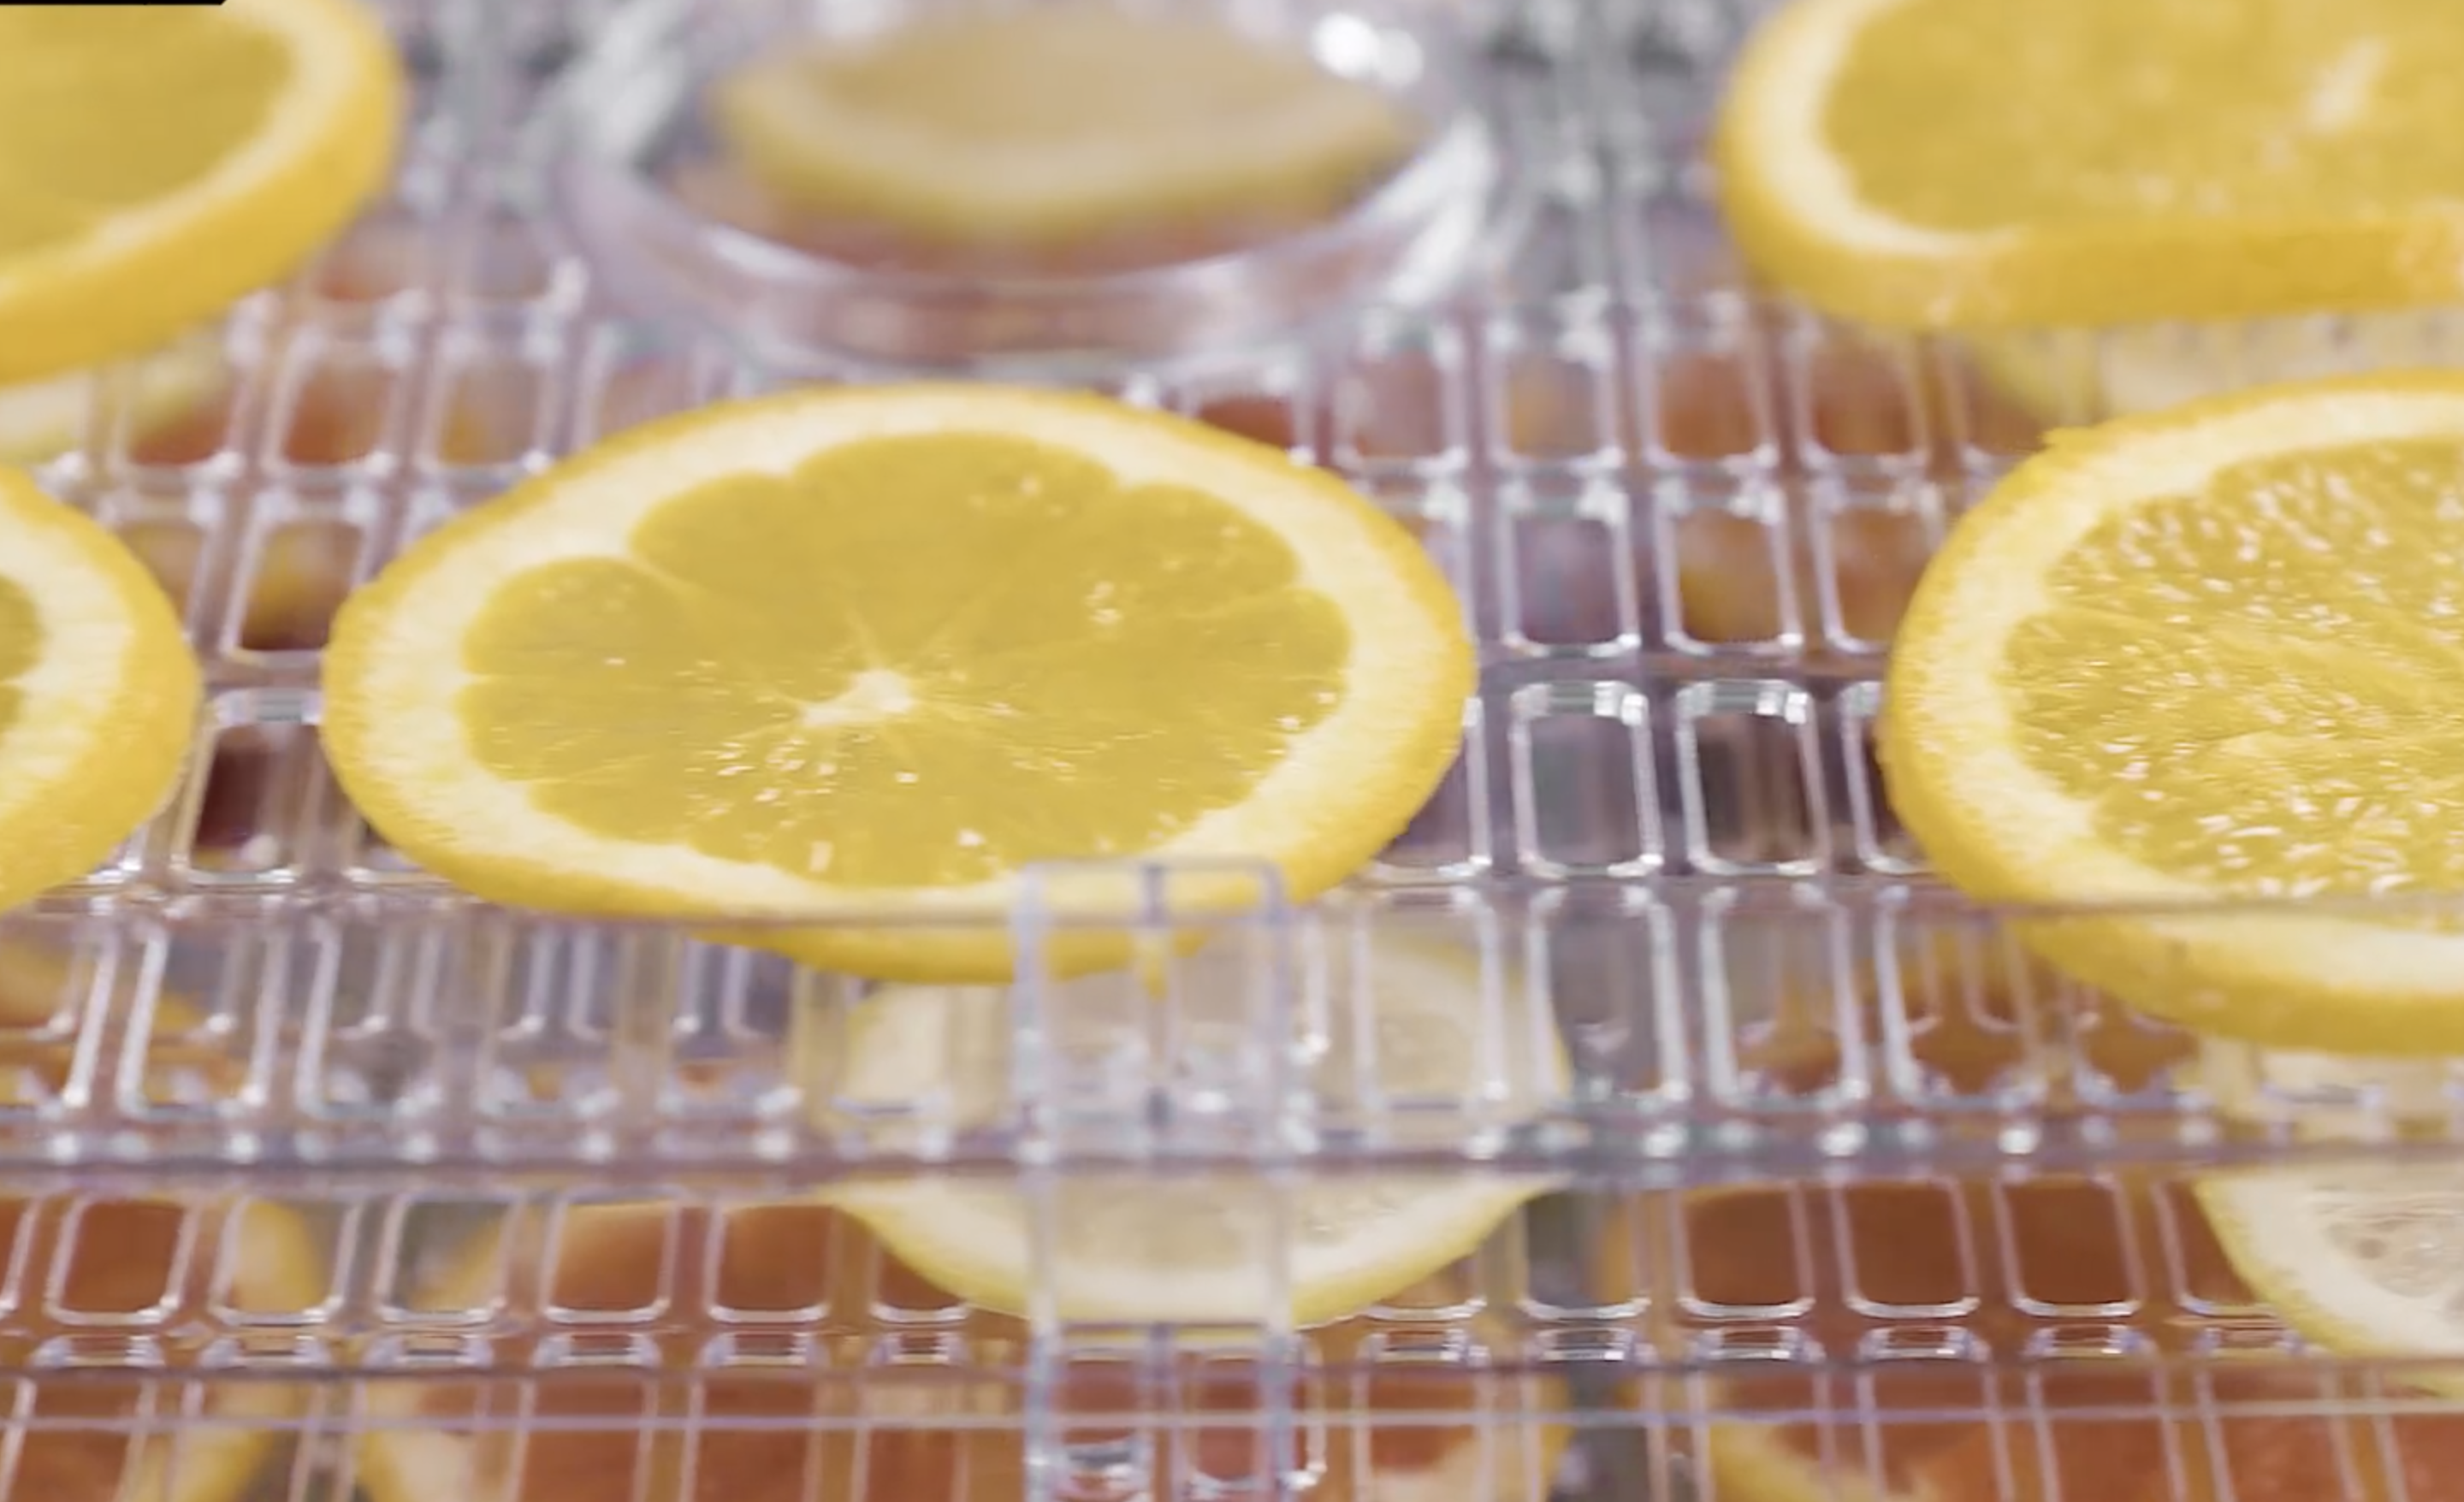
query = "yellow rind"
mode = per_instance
[
  {"x": 189, "y": 256},
  {"x": 2146, "y": 271},
  {"x": 956, "y": 1248},
  {"x": 133, "y": 730},
  {"x": 2251, "y": 1248},
  {"x": 889, "y": 934},
  {"x": 2269, "y": 975}
]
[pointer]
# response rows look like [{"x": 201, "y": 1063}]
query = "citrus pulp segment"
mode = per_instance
[
  {"x": 98, "y": 692},
  {"x": 2070, "y": 163},
  {"x": 2365, "y": 1259},
  {"x": 2211, "y": 654},
  {"x": 1055, "y": 121},
  {"x": 123, "y": 220},
  {"x": 865, "y": 654},
  {"x": 1224, "y": 1247},
  {"x": 909, "y": 1428}
]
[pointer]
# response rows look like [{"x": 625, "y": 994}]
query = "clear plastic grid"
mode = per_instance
[
  {"x": 1682, "y": 520},
  {"x": 1889, "y": 1325}
]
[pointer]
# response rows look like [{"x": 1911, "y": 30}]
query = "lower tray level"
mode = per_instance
[{"x": 2056, "y": 1337}]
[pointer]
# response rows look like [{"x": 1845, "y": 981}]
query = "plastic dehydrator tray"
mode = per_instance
[{"x": 294, "y": 1132}]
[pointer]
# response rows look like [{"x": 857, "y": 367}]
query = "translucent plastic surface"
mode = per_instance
[{"x": 1836, "y": 1153}]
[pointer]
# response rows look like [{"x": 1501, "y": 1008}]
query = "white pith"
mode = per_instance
[{"x": 2275, "y": 1227}]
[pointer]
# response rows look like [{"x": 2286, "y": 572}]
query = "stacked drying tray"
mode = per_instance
[{"x": 1642, "y": 1121}]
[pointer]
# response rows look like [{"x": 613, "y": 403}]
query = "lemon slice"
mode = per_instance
[
  {"x": 2207, "y": 655},
  {"x": 2069, "y": 162},
  {"x": 2324, "y": 1096},
  {"x": 98, "y": 692},
  {"x": 1409, "y": 1430},
  {"x": 123, "y": 221},
  {"x": 1048, "y": 122},
  {"x": 2061, "y": 377},
  {"x": 866, "y": 653},
  {"x": 2365, "y": 1259},
  {"x": 100, "y": 1440},
  {"x": 42, "y": 419},
  {"x": 2001, "y": 1251},
  {"x": 1197, "y": 1247}
]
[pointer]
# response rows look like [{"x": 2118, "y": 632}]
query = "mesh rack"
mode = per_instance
[{"x": 1837, "y": 1164}]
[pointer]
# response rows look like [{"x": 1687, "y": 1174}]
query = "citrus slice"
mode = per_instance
[
  {"x": 2063, "y": 377},
  {"x": 42, "y": 419},
  {"x": 920, "y": 1428},
  {"x": 2209, "y": 655},
  {"x": 866, "y": 653},
  {"x": 1051, "y": 121},
  {"x": 1841, "y": 1259},
  {"x": 98, "y": 692},
  {"x": 98, "y": 1440},
  {"x": 2365, "y": 1259},
  {"x": 121, "y": 222},
  {"x": 2324, "y": 1096},
  {"x": 2001, "y": 1409},
  {"x": 1200, "y": 1247},
  {"x": 2070, "y": 163}
]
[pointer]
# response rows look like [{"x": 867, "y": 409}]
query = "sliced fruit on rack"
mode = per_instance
[
  {"x": 2324, "y": 1096},
  {"x": 865, "y": 653},
  {"x": 2067, "y": 376},
  {"x": 1224, "y": 1247},
  {"x": 1878, "y": 1261},
  {"x": 98, "y": 692},
  {"x": 2064, "y": 163},
  {"x": 2210, "y": 655},
  {"x": 1832, "y": 1253},
  {"x": 99, "y": 1262},
  {"x": 2365, "y": 1260},
  {"x": 918, "y": 1425},
  {"x": 122, "y": 223},
  {"x": 42, "y": 419},
  {"x": 1055, "y": 122}
]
